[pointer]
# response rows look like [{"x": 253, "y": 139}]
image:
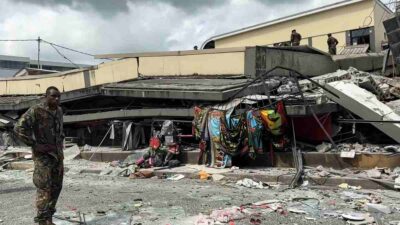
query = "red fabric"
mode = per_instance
[
  {"x": 155, "y": 143},
  {"x": 307, "y": 128},
  {"x": 280, "y": 108}
]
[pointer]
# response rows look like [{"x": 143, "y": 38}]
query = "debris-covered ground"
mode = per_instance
[{"x": 110, "y": 199}]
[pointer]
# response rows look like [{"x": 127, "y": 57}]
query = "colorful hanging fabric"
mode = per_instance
[
  {"x": 274, "y": 119},
  {"x": 254, "y": 131},
  {"x": 200, "y": 121},
  {"x": 233, "y": 133}
]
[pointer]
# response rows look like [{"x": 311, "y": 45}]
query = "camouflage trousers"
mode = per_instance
[{"x": 48, "y": 178}]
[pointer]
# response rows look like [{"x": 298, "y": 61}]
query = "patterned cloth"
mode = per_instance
[{"x": 254, "y": 130}]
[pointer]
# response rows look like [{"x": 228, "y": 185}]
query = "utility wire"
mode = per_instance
[
  {"x": 369, "y": 16},
  {"x": 70, "y": 49},
  {"x": 18, "y": 40},
  {"x": 65, "y": 57}
]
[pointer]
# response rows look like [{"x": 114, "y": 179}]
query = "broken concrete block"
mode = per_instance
[
  {"x": 357, "y": 147},
  {"x": 217, "y": 177},
  {"x": 306, "y": 85},
  {"x": 324, "y": 147},
  {"x": 369, "y": 84},
  {"x": 395, "y": 105},
  {"x": 395, "y": 92},
  {"x": 397, "y": 183},
  {"x": 71, "y": 153},
  {"x": 378, "y": 208},
  {"x": 348, "y": 154},
  {"x": 392, "y": 148},
  {"x": 374, "y": 173},
  {"x": 366, "y": 105}
]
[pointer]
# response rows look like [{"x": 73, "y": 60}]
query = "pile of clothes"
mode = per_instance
[
  {"x": 227, "y": 132},
  {"x": 164, "y": 148}
]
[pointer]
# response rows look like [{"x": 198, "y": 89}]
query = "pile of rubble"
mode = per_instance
[{"x": 357, "y": 207}]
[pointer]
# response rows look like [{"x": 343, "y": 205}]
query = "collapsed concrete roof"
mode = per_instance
[{"x": 250, "y": 61}]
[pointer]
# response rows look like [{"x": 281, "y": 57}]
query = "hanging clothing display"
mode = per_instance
[{"x": 254, "y": 131}]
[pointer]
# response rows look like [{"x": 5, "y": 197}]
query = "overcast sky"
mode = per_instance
[{"x": 120, "y": 26}]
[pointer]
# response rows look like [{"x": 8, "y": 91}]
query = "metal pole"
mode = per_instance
[
  {"x": 313, "y": 113},
  {"x": 38, "y": 56}
]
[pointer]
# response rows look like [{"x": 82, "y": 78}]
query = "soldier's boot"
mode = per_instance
[
  {"x": 50, "y": 222},
  {"x": 42, "y": 223}
]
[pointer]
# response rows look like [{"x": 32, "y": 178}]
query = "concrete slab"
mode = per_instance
[
  {"x": 363, "y": 62},
  {"x": 272, "y": 175},
  {"x": 281, "y": 159},
  {"x": 261, "y": 59},
  {"x": 23, "y": 165},
  {"x": 365, "y": 105}
]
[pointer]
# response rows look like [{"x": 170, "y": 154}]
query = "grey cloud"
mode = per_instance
[
  {"x": 105, "y": 7},
  {"x": 108, "y": 26},
  {"x": 112, "y": 7}
]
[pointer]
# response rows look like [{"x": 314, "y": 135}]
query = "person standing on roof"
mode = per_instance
[
  {"x": 332, "y": 43},
  {"x": 41, "y": 127},
  {"x": 295, "y": 38}
]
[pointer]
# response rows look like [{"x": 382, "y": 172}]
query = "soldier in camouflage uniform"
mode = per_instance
[{"x": 41, "y": 127}]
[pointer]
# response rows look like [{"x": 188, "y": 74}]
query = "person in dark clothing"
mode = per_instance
[
  {"x": 41, "y": 127},
  {"x": 332, "y": 43},
  {"x": 295, "y": 38}
]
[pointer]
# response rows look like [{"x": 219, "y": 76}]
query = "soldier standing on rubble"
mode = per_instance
[
  {"x": 332, "y": 42},
  {"x": 295, "y": 38},
  {"x": 41, "y": 127}
]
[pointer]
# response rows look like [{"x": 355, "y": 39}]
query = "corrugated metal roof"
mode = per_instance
[{"x": 355, "y": 49}]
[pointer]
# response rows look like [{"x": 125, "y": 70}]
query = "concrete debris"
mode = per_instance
[
  {"x": 366, "y": 105},
  {"x": 217, "y": 177},
  {"x": 348, "y": 154},
  {"x": 176, "y": 177},
  {"x": 307, "y": 85},
  {"x": 397, "y": 183},
  {"x": 249, "y": 183},
  {"x": 378, "y": 208},
  {"x": 324, "y": 147},
  {"x": 395, "y": 105},
  {"x": 296, "y": 210},
  {"x": 288, "y": 88},
  {"x": 374, "y": 173},
  {"x": 354, "y": 216},
  {"x": 368, "y": 219},
  {"x": 392, "y": 148},
  {"x": 71, "y": 153},
  {"x": 347, "y": 186},
  {"x": 87, "y": 147}
]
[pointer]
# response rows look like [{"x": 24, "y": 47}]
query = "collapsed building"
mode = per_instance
[{"x": 124, "y": 102}]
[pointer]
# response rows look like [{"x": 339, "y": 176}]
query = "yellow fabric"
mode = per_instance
[{"x": 272, "y": 120}]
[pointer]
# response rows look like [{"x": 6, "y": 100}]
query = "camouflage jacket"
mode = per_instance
[{"x": 42, "y": 129}]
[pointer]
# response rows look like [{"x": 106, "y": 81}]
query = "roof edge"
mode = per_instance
[{"x": 170, "y": 53}]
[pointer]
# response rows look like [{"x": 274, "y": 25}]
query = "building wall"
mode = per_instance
[
  {"x": 110, "y": 72},
  {"x": 230, "y": 63},
  {"x": 335, "y": 21},
  {"x": 378, "y": 17},
  {"x": 320, "y": 41}
]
